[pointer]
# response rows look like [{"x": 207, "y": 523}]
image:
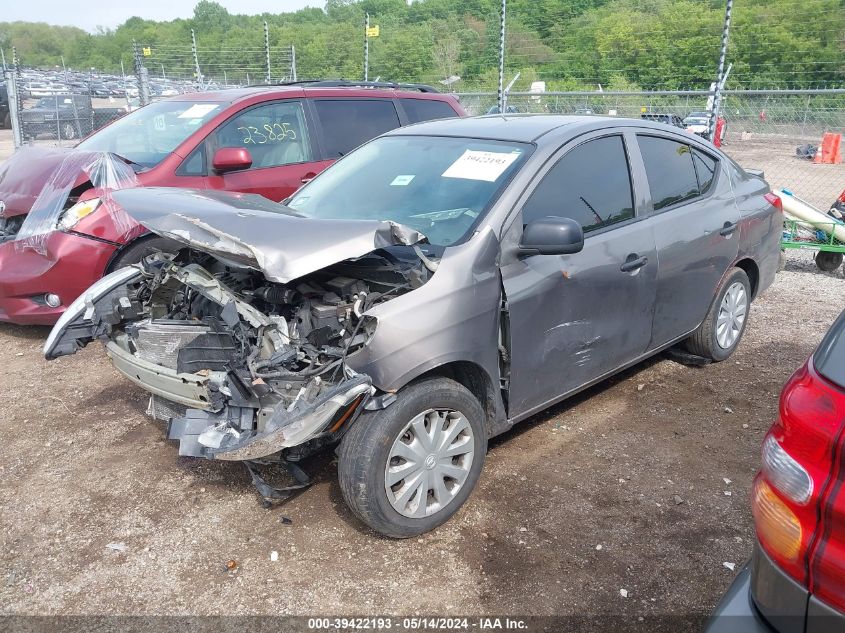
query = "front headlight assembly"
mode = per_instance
[{"x": 70, "y": 218}]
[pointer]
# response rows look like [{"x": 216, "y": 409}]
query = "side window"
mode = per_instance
[
  {"x": 670, "y": 170},
  {"x": 590, "y": 184},
  {"x": 348, "y": 123},
  {"x": 427, "y": 110},
  {"x": 194, "y": 165},
  {"x": 705, "y": 169},
  {"x": 275, "y": 134}
]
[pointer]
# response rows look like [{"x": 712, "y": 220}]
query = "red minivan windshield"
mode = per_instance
[{"x": 148, "y": 135}]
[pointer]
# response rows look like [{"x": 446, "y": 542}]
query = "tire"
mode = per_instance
[
  {"x": 371, "y": 445},
  {"x": 139, "y": 249},
  {"x": 828, "y": 262},
  {"x": 68, "y": 131},
  {"x": 717, "y": 344}
]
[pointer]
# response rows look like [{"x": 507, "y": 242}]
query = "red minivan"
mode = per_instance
[
  {"x": 795, "y": 582},
  {"x": 60, "y": 231}
]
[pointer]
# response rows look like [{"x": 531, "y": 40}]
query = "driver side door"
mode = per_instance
[{"x": 576, "y": 318}]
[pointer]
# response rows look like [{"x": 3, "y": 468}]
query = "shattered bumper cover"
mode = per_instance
[{"x": 226, "y": 435}]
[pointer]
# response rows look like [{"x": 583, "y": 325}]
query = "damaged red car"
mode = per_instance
[{"x": 60, "y": 230}]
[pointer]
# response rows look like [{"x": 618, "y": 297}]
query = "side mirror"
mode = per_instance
[
  {"x": 231, "y": 159},
  {"x": 551, "y": 236}
]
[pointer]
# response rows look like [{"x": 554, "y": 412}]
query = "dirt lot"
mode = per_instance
[{"x": 640, "y": 484}]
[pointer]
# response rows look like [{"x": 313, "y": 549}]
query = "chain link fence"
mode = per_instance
[{"x": 772, "y": 130}]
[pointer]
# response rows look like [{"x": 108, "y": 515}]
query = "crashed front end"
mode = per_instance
[{"x": 241, "y": 368}]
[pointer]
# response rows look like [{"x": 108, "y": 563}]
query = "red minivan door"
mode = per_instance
[{"x": 281, "y": 147}]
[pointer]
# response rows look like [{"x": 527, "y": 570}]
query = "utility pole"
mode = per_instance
[
  {"x": 366, "y": 46},
  {"x": 267, "y": 50},
  {"x": 501, "y": 92},
  {"x": 3, "y": 58},
  {"x": 163, "y": 76},
  {"x": 720, "y": 78},
  {"x": 196, "y": 57}
]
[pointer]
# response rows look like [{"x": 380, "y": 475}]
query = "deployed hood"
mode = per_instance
[
  {"x": 252, "y": 231},
  {"x": 24, "y": 175}
]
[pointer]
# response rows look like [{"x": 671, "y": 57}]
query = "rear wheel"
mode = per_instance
[
  {"x": 142, "y": 248},
  {"x": 406, "y": 469},
  {"x": 827, "y": 261},
  {"x": 722, "y": 329}
]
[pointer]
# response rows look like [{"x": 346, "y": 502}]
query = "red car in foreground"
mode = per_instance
[
  {"x": 795, "y": 582},
  {"x": 60, "y": 231}
]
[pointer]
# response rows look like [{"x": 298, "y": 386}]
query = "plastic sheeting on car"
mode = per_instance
[{"x": 104, "y": 171}]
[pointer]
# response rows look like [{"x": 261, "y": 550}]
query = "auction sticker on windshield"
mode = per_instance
[
  {"x": 402, "y": 180},
  {"x": 477, "y": 165},
  {"x": 198, "y": 110}
]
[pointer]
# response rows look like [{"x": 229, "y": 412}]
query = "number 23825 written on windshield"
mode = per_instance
[{"x": 275, "y": 133}]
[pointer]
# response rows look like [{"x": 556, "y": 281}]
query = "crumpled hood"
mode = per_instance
[
  {"x": 252, "y": 231},
  {"x": 24, "y": 174}
]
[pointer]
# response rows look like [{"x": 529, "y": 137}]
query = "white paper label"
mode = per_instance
[
  {"x": 475, "y": 165},
  {"x": 402, "y": 180},
  {"x": 198, "y": 110}
]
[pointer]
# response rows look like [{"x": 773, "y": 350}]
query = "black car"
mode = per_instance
[
  {"x": 5, "y": 117},
  {"x": 669, "y": 119},
  {"x": 66, "y": 116}
]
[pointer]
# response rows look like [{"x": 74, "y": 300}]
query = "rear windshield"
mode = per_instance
[
  {"x": 829, "y": 358},
  {"x": 148, "y": 135}
]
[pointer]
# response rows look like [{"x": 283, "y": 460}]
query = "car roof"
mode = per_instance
[
  {"x": 521, "y": 128},
  {"x": 529, "y": 128},
  {"x": 233, "y": 95}
]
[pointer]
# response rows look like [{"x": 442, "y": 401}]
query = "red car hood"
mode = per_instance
[{"x": 24, "y": 175}]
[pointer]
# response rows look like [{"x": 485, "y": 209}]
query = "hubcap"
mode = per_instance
[
  {"x": 731, "y": 315},
  {"x": 429, "y": 463}
]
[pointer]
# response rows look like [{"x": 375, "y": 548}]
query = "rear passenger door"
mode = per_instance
[
  {"x": 696, "y": 231},
  {"x": 347, "y": 123},
  {"x": 278, "y": 138}
]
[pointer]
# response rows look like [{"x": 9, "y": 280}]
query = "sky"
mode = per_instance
[{"x": 89, "y": 14}]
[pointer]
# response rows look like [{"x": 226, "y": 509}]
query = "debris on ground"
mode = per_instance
[
  {"x": 274, "y": 556},
  {"x": 623, "y": 593},
  {"x": 730, "y": 566},
  {"x": 117, "y": 547}
]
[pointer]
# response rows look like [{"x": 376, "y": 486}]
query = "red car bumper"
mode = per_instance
[{"x": 70, "y": 263}]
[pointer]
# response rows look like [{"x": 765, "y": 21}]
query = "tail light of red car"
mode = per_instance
[
  {"x": 774, "y": 200},
  {"x": 797, "y": 462}
]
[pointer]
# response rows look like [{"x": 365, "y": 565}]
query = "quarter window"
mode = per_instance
[
  {"x": 591, "y": 184},
  {"x": 275, "y": 134},
  {"x": 705, "y": 170},
  {"x": 348, "y": 123},
  {"x": 670, "y": 170},
  {"x": 427, "y": 110}
]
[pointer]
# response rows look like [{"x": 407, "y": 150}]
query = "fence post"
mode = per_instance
[
  {"x": 12, "y": 94},
  {"x": 292, "y": 62},
  {"x": 720, "y": 79},
  {"x": 501, "y": 92},
  {"x": 142, "y": 75},
  {"x": 366, "y": 46},
  {"x": 267, "y": 50},
  {"x": 196, "y": 58}
]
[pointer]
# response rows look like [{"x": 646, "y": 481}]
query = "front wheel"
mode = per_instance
[
  {"x": 142, "y": 248},
  {"x": 406, "y": 469},
  {"x": 68, "y": 131},
  {"x": 721, "y": 331}
]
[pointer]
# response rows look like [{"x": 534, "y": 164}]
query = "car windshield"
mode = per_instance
[
  {"x": 439, "y": 186},
  {"x": 148, "y": 135},
  {"x": 695, "y": 121},
  {"x": 50, "y": 102}
]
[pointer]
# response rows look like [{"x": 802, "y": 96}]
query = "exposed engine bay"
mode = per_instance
[{"x": 240, "y": 367}]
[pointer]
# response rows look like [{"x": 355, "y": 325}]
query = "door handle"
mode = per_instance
[
  {"x": 308, "y": 177},
  {"x": 728, "y": 229},
  {"x": 632, "y": 263}
]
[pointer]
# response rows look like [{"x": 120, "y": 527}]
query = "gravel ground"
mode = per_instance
[
  {"x": 623, "y": 487},
  {"x": 640, "y": 466}
]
